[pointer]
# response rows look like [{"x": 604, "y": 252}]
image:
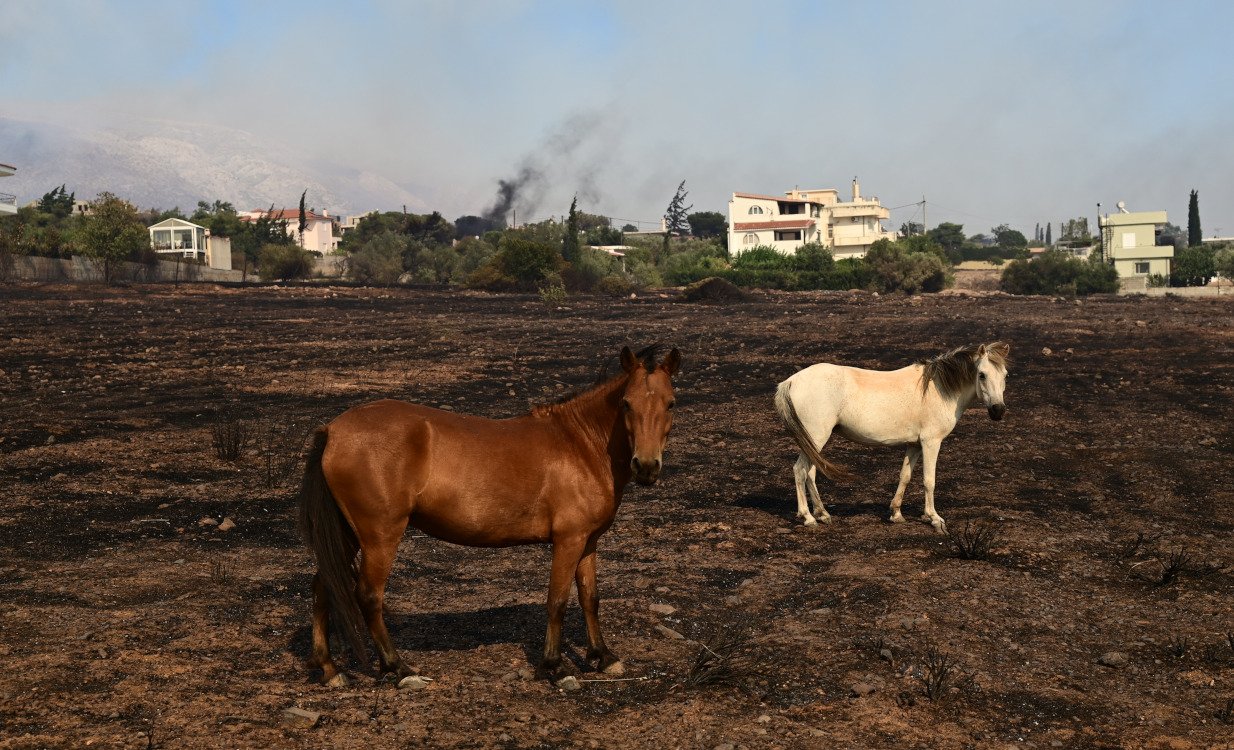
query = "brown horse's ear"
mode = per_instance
[
  {"x": 629, "y": 362},
  {"x": 671, "y": 362}
]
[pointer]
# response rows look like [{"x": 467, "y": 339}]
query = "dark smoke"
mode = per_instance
[{"x": 526, "y": 189}]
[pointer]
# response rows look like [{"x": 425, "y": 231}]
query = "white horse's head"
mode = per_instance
[{"x": 991, "y": 364}]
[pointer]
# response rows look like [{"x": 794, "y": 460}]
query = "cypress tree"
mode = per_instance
[
  {"x": 1194, "y": 236},
  {"x": 569, "y": 244},
  {"x": 1048, "y": 242}
]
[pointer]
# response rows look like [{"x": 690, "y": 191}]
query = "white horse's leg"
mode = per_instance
[
  {"x": 929, "y": 452},
  {"x": 906, "y": 473},
  {"x": 801, "y": 475},
  {"x": 816, "y": 499}
]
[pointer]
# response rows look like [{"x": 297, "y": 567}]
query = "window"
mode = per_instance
[
  {"x": 1128, "y": 239},
  {"x": 756, "y": 209},
  {"x": 162, "y": 239},
  {"x": 750, "y": 239},
  {"x": 788, "y": 236},
  {"x": 1141, "y": 267}
]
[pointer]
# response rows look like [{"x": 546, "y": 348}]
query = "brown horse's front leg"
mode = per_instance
[
  {"x": 589, "y": 599},
  {"x": 566, "y": 556}
]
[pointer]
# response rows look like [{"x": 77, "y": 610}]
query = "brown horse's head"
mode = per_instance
[{"x": 647, "y": 408}]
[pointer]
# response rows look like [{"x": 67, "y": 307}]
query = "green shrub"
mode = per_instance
[
  {"x": 614, "y": 286},
  {"x": 379, "y": 261},
  {"x": 895, "y": 268},
  {"x": 1193, "y": 266},
  {"x": 284, "y": 262},
  {"x": 519, "y": 264},
  {"x": 1057, "y": 272}
]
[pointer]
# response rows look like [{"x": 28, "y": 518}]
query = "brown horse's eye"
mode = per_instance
[
  {"x": 625, "y": 404},
  {"x": 671, "y": 404}
]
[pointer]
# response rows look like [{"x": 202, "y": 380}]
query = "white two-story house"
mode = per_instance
[
  {"x": 318, "y": 228},
  {"x": 8, "y": 201},
  {"x": 847, "y": 228}
]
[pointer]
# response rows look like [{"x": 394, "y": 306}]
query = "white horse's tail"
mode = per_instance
[{"x": 788, "y": 415}]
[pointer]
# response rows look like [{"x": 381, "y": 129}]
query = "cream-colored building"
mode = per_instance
[
  {"x": 8, "y": 201},
  {"x": 318, "y": 228},
  {"x": 1129, "y": 241},
  {"x": 847, "y": 228}
]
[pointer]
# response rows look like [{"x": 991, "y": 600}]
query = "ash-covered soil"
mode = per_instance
[{"x": 130, "y": 618}]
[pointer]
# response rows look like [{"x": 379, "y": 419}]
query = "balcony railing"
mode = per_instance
[{"x": 6, "y": 198}]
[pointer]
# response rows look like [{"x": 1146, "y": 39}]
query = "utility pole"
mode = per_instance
[{"x": 924, "y": 224}]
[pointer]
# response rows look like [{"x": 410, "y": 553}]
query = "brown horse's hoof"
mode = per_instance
[
  {"x": 337, "y": 681},
  {"x": 616, "y": 669}
]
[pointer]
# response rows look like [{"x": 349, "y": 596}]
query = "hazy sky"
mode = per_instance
[{"x": 1016, "y": 112}]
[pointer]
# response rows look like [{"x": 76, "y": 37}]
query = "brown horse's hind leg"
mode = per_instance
[
  {"x": 375, "y": 566},
  {"x": 566, "y": 556},
  {"x": 589, "y": 600},
  {"x": 330, "y": 676}
]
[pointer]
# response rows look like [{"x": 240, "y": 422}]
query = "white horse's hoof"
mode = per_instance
[
  {"x": 810, "y": 521},
  {"x": 939, "y": 525},
  {"x": 824, "y": 519},
  {"x": 897, "y": 518}
]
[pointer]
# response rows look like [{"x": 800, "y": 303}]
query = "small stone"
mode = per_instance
[
  {"x": 641, "y": 582},
  {"x": 568, "y": 683},
  {"x": 763, "y": 719},
  {"x": 1046, "y": 351},
  {"x": 509, "y": 677},
  {"x": 669, "y": 633},
  {"x": 62, "y": 475},
  {"x": 227, "y": 524},
  {"x": 886, "y": 655},
  {"x": 1141, "y": 324},
  {"x": 1115, "y": 659},
  {"x": 207, "y": 522},
  {"x": 732, "y": 600},
  {"x": 301, "y": 718},
  {"x": 862, "y": 689},
  {"x": 663, "y": 609},
  {"x": 725, "y": 746},
  {"x": 662, "y": 589},
  {"x": 413, "y": 682},
  {"x": 526, "y": 674},
  {"x": 821, "y": 611},
  {"x": 817, "y": 733},
  {"x": 102, "y": 653},
  {"x": 920, "y": 622},
  {"x": 503, "y": 737},
  {"x": 906, "y": 623},
  {"x": 50, "y": 440}
]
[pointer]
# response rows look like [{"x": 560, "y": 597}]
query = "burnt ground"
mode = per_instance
[{"x": 127, "y": 622}]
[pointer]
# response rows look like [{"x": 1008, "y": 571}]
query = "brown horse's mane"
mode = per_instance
[
  {"x": 647, "y": 355},
  {"x": 955, "y": 370}
]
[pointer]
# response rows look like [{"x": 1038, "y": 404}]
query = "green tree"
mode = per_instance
[
  {"x": 911, "y": 228},
  {"x": 949, "y": 236},
  {"x": 1192, "y": 266},
  {"x": 675, "y": 218},
  {"x": 379, "y": 261},
  {"x": 895, "y": 268},
  {"x": 303, "y": 217},
  {"x": 58, "y": 202},
  {"x": 1194, "y": 235},
  {"x": 1049, "y": 237},
  {"x": 1008, "y": 238},
  {"x": 111, "y": 234},
  {"x": 1059, "y": 272},
  {"x": 708, "y": 224},
  {"x": 1223, "y": 262},
  {"x": 569, "y": 243}
]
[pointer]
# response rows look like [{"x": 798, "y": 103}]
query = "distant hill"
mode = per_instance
[{"x": 163, "y": 163}]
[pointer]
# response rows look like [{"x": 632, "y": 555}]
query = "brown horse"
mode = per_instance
[{"x": 553, "y": 476}]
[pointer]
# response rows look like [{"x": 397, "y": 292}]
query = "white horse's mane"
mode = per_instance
[{"x": 953, "y": 371}]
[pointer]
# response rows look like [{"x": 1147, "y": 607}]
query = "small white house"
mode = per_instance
[
  {"x": 1130, "y": 241},
  {"x": 177, "y": 236},
  {"x": 8, "y": 201}
]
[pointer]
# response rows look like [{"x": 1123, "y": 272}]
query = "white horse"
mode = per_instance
[{"x": 917, "y": 406}]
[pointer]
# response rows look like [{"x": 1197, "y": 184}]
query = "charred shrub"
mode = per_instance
[
  {"x": 230, "y": 436},
  {"x": 723, "y": 660},
  {"x": 941, "y": 673},
  {"x": 974, "y": 542}
]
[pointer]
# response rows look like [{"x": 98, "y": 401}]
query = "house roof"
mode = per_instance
[
  {"x": 785, "y": 224},
  {"x": 174, "y": 222},
  {"x": 779, "y": 199}
]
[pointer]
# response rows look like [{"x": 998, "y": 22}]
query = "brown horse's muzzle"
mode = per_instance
[
  {"x": 996, "y": 411},
  {"x": 645, "y": 472}
]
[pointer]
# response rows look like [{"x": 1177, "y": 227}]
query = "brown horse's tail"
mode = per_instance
[
  {"x": 788, "y": 415},
  {"x": 333, "y": 543}
]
